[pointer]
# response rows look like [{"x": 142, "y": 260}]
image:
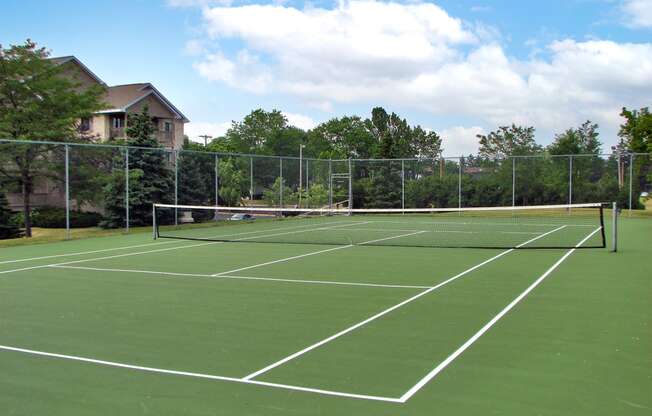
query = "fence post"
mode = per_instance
[
  {"x": 631, "y": 175},
  {"x": 176, "y": 186},
  {"x": 614, "y": 227},
  {"x": 459, "y": 183},
  {"x": 251, "y": 178},
  {"x": 350, "y": 187},
  {"x": 513, "y": 181},
  {"x": 67, "y": 163},
  {"x": 403, "y": 185},
  {"x": 570, "y": 180},
  {"x": 280, "y": 188},
  {"x": 330, "y": 184},
  {"x": 307, "y": 176},
  {"x": 127, "y": 219},
  {"x": 217, "y": 181}
]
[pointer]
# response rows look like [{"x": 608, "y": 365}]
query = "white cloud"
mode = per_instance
[
  {"x": 299, "y": 120},
  {"x": 415, "y": 55},
  {"x": 194, "y": 47},
  {"x": 194, "y": 129},
  {"x": 460, "y": 140},
  {"x": 638, "y": 13}
]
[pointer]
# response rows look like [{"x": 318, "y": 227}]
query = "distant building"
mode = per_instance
[{"x": 111, "y": 123}]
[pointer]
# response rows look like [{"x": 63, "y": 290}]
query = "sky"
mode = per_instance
[{"x": 458, "y": 67}]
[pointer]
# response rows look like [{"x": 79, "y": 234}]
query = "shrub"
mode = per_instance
[{"x": 52, "y": 217}]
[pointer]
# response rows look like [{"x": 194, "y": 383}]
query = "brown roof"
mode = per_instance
[
  {"x": 121, "y": 97},
  {"x": 60, "y": 60}
]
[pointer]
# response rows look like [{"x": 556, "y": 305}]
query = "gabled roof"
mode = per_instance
[
  {"x": 60, "y": 60},
  {"x": 122, "y": 97}
]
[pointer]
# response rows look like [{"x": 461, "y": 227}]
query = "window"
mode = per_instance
[
  {"x": 118, "y": 122},
  {"x": 167, "y": 126},
  {"x": 85, "y": 124}
]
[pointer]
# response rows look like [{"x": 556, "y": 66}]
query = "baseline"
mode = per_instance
[{"x": 198, "y": 375}]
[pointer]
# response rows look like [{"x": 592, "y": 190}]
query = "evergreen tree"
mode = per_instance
[
  {"x": 8, "y": 229},
  {"x": 151, "y": 179}
]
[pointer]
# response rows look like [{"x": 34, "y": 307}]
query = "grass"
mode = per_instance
[{"x": 577, "y": 344}]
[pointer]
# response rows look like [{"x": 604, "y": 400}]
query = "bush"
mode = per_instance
[
  {"x": 8, "y": 229},
  {"x": 52, "y": 217}
]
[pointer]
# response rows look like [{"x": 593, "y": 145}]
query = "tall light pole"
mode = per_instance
[{"x": 301, "y": 146}]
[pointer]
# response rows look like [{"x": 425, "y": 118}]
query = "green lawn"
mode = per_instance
[{"x": 578, "y": 344}]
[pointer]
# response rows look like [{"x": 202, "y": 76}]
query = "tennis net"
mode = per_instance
[{"x": 549, "y": 226}]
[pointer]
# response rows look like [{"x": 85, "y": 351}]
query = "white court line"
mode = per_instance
[
  {"x": 79, "y": 253},
  {"x": 407, "y": 222},
  {"x": 272, "y": 279},
  {"x": 398, "y": 230},
  {"x": 312, "y": 253},
  {"x": 489, "y": 324},
  {"x": 152, "y": 251},
  {"x": 198, "y": 375},
  {"x": 390, "y": 309},
  {"x": 148, "y": 244}
]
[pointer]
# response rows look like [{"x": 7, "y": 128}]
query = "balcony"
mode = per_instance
[
  {"x": 166, "y": 138},
  {"x": 116, "y": 132}
]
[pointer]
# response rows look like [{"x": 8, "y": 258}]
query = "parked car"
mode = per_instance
[{"x": 241, "y": 217}]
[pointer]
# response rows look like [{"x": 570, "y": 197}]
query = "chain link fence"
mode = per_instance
[{"x": 68, "y": 185}]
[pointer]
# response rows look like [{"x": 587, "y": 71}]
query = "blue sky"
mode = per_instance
[{"x": 457, "y": 67}]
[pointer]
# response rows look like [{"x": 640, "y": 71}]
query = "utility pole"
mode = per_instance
[{"x": 205, "y": 137}]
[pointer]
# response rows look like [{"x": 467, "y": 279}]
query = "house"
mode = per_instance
[{"x": 111, "y": 123}]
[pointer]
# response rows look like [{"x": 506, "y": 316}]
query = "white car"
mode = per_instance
[{"x": 241, "y": 217}]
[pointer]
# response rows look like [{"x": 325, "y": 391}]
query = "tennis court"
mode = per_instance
[{"x": 336, "y": 314}]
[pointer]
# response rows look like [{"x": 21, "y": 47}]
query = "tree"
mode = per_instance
[
  {"x": 196, "y": 175},
  {"x": 341, "y": 138},
  {"x": 8, "y": 229},
  {"x": 232, "y": 183},
  {"x": 252, "y": 134},
  {"x": 637, "y": 130},
  {"x": 508, "y": 141},
  {"x": 150, "y": 176},
  {"x": 636, "y": 136},
  {"x": 37, "y": 103}
]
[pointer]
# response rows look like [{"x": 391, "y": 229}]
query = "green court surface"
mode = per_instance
[{"x": 130, "y": 325}]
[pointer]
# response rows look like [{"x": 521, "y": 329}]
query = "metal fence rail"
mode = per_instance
[{"x": 107, "y": 180}]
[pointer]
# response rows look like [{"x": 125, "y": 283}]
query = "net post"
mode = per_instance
[
  {"x": 127, "y": 220},
  {"x": 614, "y": 227},
  {"x": 154, "y": 226},
  {"x": 67, "y": 164}
]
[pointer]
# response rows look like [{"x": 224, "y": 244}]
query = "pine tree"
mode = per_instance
[
  {"x": 151, "y": 180},
  {"x": 8, "y": 229}
]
